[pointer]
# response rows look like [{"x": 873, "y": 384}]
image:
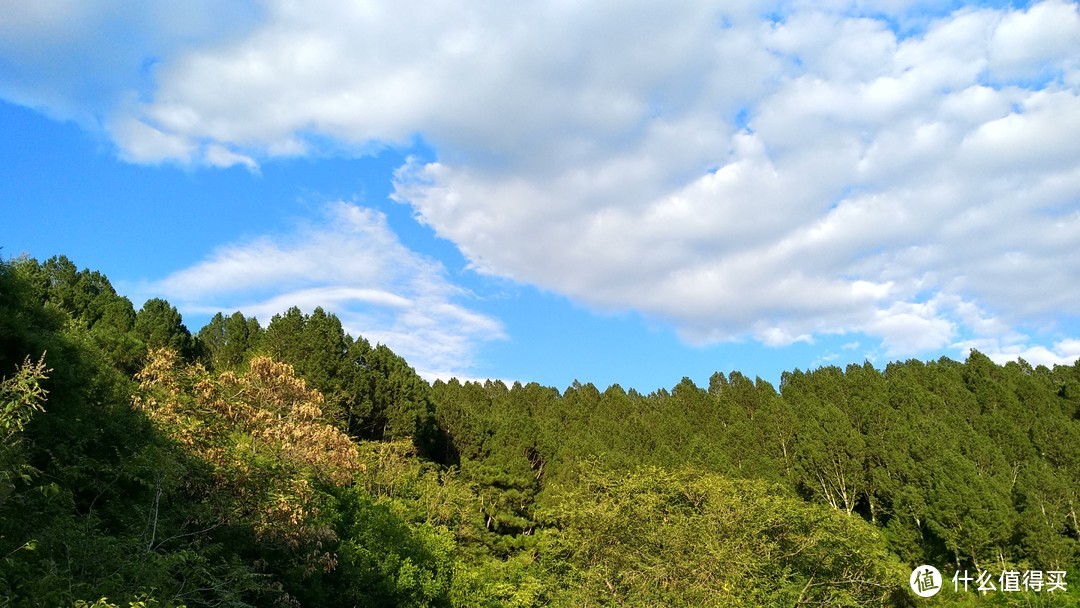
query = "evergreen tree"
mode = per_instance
[
  {"x": 226, "y": 341},
  {"x": 159, "y": 325}
]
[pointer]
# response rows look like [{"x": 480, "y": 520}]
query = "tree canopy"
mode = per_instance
[{"x": 298, "y": 465}]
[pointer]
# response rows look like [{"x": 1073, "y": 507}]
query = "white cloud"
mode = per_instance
[
  {"x": 742, "y": 170},
  {"x": 220, "y": 156},
  {"x": 87, "y": 60},
  {"x": 1043, "y": 39},
  {"x": 1063, "y": 352},
  {"x": 142, "y": 143},
  {"x": 911, "y": 328},
  {"x": 353, "y": 265}
]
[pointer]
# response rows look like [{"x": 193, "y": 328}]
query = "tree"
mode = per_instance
[
  {"x": 371, "y": 391},
  {"x": 652, "y": 537},
  {"x": 264, "y": 434},
  {"x": 226, "y": 341},
  {"x": 159, "y": 325},
  {"x": 831, "y": 452},
  {"x": 21, "y": 395},
  {"x": 389, "y": 399}
]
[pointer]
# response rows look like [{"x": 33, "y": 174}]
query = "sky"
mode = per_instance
[{"x": 607, "y": 192}]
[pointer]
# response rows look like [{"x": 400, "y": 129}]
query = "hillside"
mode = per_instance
[{"x": 144, "y": 464}]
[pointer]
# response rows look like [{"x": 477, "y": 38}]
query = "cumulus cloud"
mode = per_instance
[
  {"x": 351, "y": 264},
  {"x": 1037, "y": 42},
  {"x": 84, "y": 61},
  {"x": 1062, "y": 352},
  {"x": 760, "y": 170}
]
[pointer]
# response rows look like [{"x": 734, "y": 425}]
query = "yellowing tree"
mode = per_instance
[{"x": 263, "y": 433}]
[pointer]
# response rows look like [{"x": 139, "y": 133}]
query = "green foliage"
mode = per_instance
[
  {"x": 688, "y": 538},
  {"x": 226, "y": 341},
  {"x": 956, "y": 463},
  {"x": 142, "y": 601},
  {"x": 83, "y": 295},
  {"x": 106, "y": 512},
  {"x": 516, "y": 582},
  {"x": 372, "y": 392},
  {"x": 159, "y": 325},
  {"x": 20, "y": 396},
  {"x": 384, "y": 561},
  {"x": 83, "y": 301},
  {"x": 330, "y": 474}
]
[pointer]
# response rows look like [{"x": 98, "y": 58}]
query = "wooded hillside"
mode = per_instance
[{"x": 145, "y": 465}]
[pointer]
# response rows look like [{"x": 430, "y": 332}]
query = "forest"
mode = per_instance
[{"x": 146, "y": 465}]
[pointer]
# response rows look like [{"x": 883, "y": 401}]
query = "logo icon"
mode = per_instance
[{"x": 925, "y": 581}]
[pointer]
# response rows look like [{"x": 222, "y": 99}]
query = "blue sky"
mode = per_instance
[{"x": 556, "y": 192}]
